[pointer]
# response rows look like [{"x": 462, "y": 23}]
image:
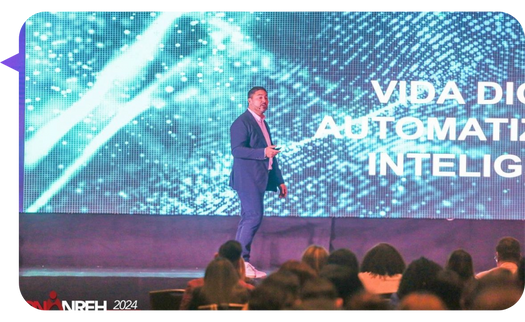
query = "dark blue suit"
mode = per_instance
[{"x": 250, "y": 176}]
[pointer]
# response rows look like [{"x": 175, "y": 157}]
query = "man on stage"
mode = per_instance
[{"x": 255, "y": 170}]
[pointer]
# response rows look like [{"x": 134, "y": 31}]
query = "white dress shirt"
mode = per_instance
[{"x": 260, "y": 121}]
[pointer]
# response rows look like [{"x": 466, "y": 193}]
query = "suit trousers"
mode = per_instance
[{"x": 252, "y": 209}]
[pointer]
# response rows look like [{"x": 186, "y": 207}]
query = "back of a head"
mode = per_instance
[
  {"x": 278, "y": 291},
  {"x": 344, "y": 257},
  {"x": 496, "y": 298},
  {"x": 449, "y": 287},
  {"x": 302, "y": 270},
  {"x": 285, "y": 280},
  {"x": 497, "y": 281},
  {"x": 315, "y": 256},
  {"x": 419, "y": 276},
  {"x": 368, "y": 301},
  {"x": 345, "y": 280},
  {"x": 231, "y": 250},
  {"x": 220, "y": 278},
  {"x": 268, "y": 297},
  {"x": 318, "y": 288},
  {"x": 421, "y": 301},
  {"x": 220, "y": 268},
  {"x": 383, "y": 259},
  {"x": 509, "y": 249},
  {"x": 319, "y": 294},
  {"x": 460, "y": 261}
]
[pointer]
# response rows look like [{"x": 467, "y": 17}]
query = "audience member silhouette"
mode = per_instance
[
  {"x": 315, "y": 256},
  {"x": 381, "y": 269},
  {"x": 302, "y": 270},
  {"x": 278, "y": 291},
  {"x": 421, "y": 300},
  {"x": 449, "y": 287},
  {"x": 496, "y": 298},
  {"x": 419, "y": 276},
  {"x": 461, "y": 262},
  {"x": 319, "y": 294},
  {"x": 508, "y": 255},
  {"x": 367, "y": 301},
  {"x": 494, "y": 282},
  {"x": 221, "y": 286},
  {"x": 230, "y": 250},
  {"x": 345, "y": 280},
  {"x": 496, "y": 290},
  {"x": 343, "y": 257}
]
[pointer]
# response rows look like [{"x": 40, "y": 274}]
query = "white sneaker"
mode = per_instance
[{"x": 252, "y": 272}]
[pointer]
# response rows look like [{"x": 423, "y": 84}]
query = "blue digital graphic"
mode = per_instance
[{"x": 379, "y": 115}]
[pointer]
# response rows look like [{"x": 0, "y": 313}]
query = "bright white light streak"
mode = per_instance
[{"x": 122, "y": 68}]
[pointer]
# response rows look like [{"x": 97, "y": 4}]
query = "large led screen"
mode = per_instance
[{"x": 379, "y": 114}]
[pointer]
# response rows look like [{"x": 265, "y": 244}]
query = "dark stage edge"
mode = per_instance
[{"x": 123, "y": 257}]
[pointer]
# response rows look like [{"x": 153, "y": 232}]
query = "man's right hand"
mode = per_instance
[{"x": 270, "y": 152}]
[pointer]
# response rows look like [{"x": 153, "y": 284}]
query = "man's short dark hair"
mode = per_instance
[
  {"x": 255, "y": 89},
  {"x": 231, "y": 250},
  {"x": 508, "y": 249}
]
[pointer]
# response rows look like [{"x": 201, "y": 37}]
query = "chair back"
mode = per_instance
[{"x": 167, "y": 299}]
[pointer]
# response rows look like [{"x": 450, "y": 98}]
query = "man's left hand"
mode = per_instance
[{"x": 284, "y": 191}]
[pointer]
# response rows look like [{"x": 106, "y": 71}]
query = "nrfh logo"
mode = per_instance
[{"x": 54, "y": 303}]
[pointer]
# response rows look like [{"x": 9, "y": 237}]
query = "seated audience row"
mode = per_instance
[{"x": 320, "y": 280}]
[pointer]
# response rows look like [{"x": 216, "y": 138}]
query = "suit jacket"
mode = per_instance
[{"x": 250, "y": 165}]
